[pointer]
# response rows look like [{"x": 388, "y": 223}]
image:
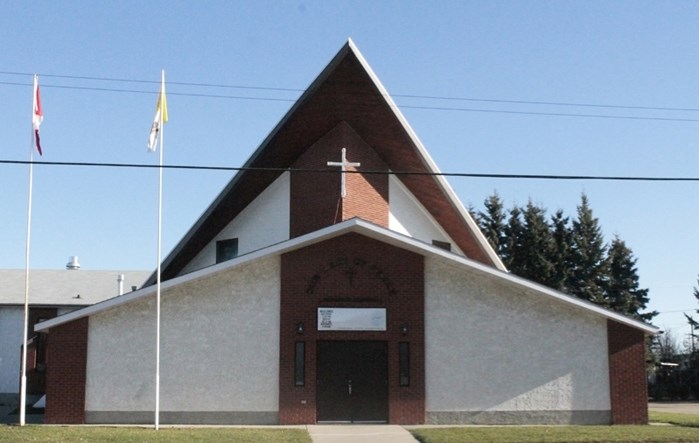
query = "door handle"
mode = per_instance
[{"x": 349, "y": 387}]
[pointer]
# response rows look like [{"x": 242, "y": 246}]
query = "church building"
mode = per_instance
[{"x": 338, "y": 278}]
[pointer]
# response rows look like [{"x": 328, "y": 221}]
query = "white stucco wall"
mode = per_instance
[
  {"x": 263, "y": 222},
  {"x": 219, "y": 346},
  {"x": 10, "y": 348},
  {"x": 492, "y": 348},
  {"x": 407, "y": 216}
]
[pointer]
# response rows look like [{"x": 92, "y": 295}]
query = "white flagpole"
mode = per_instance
[
  {"x": 25, "y": 329},
  {"x": 160, "y": 220}
]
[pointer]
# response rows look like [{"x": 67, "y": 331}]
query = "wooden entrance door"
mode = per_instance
[{"x": 352, "y": 384}]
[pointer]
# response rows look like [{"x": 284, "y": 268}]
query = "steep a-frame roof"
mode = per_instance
[{"x": 348, "y": 91}]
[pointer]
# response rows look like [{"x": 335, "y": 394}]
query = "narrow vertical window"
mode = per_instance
[
  {"x": 300, "y": 364},
  {"x": 404, "y": 363}
]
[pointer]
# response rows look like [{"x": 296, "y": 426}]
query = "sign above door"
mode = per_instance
[{"x": 351, "y": 319}]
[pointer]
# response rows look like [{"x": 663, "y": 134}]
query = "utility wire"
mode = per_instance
[
  {"x": 124, "y": 80},
  {"x": 526, "y": 102},
  {"x": 552, "y": 114},
  {"x": 431, "y": 108},
  {"x": 398, "y": 173},
  {"x": 408, "y": 96},
  {"x": 170, "y": 93}
]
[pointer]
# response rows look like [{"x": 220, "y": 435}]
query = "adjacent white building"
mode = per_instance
[{"x": 52, "y": 293}]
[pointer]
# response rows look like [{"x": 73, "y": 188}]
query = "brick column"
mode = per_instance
[
  {"x": 627, "y": 374},
  {"x": 66, "y": 373}
]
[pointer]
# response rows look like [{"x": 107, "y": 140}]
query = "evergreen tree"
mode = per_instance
[
  {"x": 512, "y": 253},
  {"x": 537, "y": 247},
  {"x": 589, "y": 271},
  {"x": 492, "y": 223},
  {"x": 623, "y": 293},
  {"x": 568, "y": 256},
  {"x": 562, "y": 240}
]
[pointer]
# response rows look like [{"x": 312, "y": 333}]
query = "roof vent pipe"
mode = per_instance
[
  {"x": 73, "y": 263},
  {"x": 120, "y": 284}
]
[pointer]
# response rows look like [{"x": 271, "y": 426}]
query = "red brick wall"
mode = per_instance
[
  {"x": 627, "y": 374},
  {"x": 66, "y": 373},
  {"x": 352, "y": 271},
  {"x": 315, "y": 197}
]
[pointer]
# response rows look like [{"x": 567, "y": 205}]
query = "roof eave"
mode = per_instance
[{"x": 367, "y": 229}]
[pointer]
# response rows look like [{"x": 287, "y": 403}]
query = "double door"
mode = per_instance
[{"x": 352, "y": 381}]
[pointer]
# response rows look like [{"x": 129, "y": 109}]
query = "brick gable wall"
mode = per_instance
[
  {"x": 66, "y": 373},
  {"x": 315, "y": 197},
  {"x": 352, "y": 271},
  {"x": 627, "y": 374}
]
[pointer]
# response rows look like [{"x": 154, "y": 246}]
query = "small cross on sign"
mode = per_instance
[{"x": 343, "y": 165}]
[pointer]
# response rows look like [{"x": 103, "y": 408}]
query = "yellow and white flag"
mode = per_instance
[{"x": 160, "y": 117}]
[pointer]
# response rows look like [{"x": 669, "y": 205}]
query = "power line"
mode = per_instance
[
  {"x": 124, "y": 80},
  {"x": 135, "y": 91},
  {"x": 544, "y": 103},
  {"x": 554, "y": 114},
  {"x": 398, "y": 173},
  {"x": 431, "y": 108},
  {"x": 405, "y": 106}
]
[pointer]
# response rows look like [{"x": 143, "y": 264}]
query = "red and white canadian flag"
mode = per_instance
[{"x": 37, "y": 114}]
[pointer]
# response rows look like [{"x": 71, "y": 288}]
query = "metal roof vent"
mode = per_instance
[{"x": 73, "y": 264}]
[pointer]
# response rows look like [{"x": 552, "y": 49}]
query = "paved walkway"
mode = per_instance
[
  {"x": 682, "y": 407},
  {"x": 359, "y": 434}
]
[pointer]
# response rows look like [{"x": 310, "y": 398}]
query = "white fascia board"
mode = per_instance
[
  {"x": 431, "y": 165},
  {"x": 366, "y": 229}
]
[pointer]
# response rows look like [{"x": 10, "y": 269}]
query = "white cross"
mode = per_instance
[{"x": 343, "y": 164}]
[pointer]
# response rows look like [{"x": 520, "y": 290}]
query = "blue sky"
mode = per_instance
[{"x": 497, "y": 62}]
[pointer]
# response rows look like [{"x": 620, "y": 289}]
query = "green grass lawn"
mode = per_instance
[
  {"x": 676, "y": 428},
  {"x": 672, "y": 428},
  {"x": 557, "y": 434},
  {"x": 39, "y": 433}
]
